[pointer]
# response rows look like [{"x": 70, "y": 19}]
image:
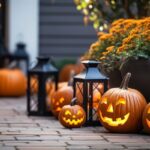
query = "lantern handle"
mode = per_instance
[{"x": 74, "y": 101}]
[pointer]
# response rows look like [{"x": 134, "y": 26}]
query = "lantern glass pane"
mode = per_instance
[
  {"x": 96, "y": 97},
  {"x": 92, "y": 95},
  {"x": 34, "y": 86},
  {"x": 50, "y": 88},
  {"x": 79, "y": 92}
]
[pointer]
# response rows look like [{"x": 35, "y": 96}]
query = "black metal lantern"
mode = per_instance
[
  {"x": 40, "y": 78},
  {"x": 21, "y": 56},
  {"x": 85, "y": 85},
  {"x": 4, "y": 54}
]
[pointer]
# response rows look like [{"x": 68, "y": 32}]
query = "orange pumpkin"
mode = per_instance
[
  {"x": 72, "y": 116},
  {"x": 66, "y": 70},
  {"x": 120, "y": 109},
  {"x": 60, "y": 98},
  {"x": 146, "y": 118},
  {"x": 13, "y": 82},
  {"x": 62, "y": 84}
]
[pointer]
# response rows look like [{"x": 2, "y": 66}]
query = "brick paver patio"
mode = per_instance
[{"x": 19, "y": 132}]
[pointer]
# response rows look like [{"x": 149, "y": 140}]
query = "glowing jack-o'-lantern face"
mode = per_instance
[
  {"x": 146, "y": 118},
  {"x": 120, "y": 109},
  {"x": 72, "y": 116},
  {"x": 121, "y": 114},
  {"x": 110, "y": 117},
  {"x": 60, "y": 98}
]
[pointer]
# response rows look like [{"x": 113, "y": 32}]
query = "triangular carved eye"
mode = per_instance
[
  {"x": 67, "y": 112},
  {"x": 104, "y": 100},
  {"x": 121, "y": 101},
  {"x": 110, "y": 108},
  {"x": 79, "y": 112},
  {"x": 61, "y": 100},
  {"x": 148, "y": 111}
]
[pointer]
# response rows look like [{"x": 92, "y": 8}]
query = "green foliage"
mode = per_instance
[
  {"x": 127, "y": 38},
  {"x": 61, "y": 63},
  {"x": 103, "y": 12}
]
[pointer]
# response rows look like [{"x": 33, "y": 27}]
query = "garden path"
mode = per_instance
[{"x": 20, "y": 132}]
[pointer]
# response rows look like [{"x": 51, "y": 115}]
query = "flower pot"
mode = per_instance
[
  {"x": 140, "y": 79},
  {"x": 114, "y": 76}
]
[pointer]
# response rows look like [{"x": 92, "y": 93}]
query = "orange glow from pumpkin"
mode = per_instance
[
  {"x": 148, "y": 111},
  {"x": 148, "y": 122},
  {"x": 74, "y": 120},
  {"x": 58, "y": 109},
  {"x": 67, "y": 112},
  {"x": 61, "y": 100},
  {"x": 115, "y": 123},
  {"x": 121, "y": 101},
  {"x": 104, "y": 100},
  {"x": 79, "y": 112},
  {"x": 110, "y": 108}
]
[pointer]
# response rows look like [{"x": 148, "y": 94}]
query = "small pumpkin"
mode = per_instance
[
  {"x": 72, "y": 116},
  {"x": 146, "y": 118},
  {"x": 120, "y": 109},
  {"x": 61, "y": 97},
  {"x": 13, "y": 82}
]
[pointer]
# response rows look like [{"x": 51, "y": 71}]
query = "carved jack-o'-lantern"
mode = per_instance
[
  {"x": 60, "y": 98},
  {"x": 72, "y": 116},
  {"x": 120, "y": 109},
  {"x": 146, "y": 118}
]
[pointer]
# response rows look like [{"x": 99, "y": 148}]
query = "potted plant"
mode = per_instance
[{"x": 127, "y": 42}]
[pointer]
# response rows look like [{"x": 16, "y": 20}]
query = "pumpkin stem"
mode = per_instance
[
  {"x": 125, "y": 82},
  {"x": 70, "y": 82},
  {"x": 73, "y": 101}
]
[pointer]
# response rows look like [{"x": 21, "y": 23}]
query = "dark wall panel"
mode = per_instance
[{"x": 62, "y": 32}]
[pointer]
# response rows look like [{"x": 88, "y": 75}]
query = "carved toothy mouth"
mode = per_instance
[
  {"x": 115, "y": 123},
  {"x": 148, "y": 122},
  {"x": 73, "y": 122}
]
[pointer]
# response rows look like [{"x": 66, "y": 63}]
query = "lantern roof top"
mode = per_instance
[
  {"x": 91, "y": 72},
  {"x": 43, "y": 66}
]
